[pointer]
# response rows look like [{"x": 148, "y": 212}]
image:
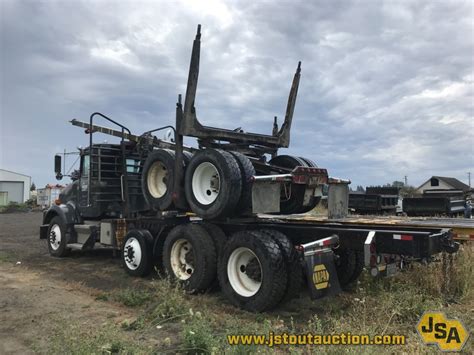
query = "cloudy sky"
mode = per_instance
[{"x": 386, "y": 88}]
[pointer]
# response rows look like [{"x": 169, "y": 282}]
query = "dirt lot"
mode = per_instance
[{"x": 86, "y": 303}]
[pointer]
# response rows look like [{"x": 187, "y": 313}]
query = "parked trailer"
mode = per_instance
[
  {"x": 375, "y": 200},
  {"x": 433, "y": 206},
  {"x": 134, "y": 198}
]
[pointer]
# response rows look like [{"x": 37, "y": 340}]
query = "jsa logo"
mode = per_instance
[{"x": 448, "y": 334}]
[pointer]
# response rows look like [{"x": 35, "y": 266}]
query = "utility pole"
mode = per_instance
[
  {"x": 469, "y": 178},
  {"x": 406, "y": 181}
]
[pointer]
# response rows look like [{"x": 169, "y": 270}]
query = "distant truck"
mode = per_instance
[
  {"x": 436, "y": 203},
  {"x": 375, "y": 200}
]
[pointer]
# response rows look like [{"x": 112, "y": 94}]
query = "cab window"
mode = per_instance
[{"x": 85, "y": 165}]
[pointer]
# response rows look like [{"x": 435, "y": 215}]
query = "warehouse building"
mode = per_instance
[{"x": 14, "y": 187}]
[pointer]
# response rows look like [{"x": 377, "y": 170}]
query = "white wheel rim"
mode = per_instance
[
  {"x": 206, "y": 183},
  {"x": 55, "y": 237},
  {"x": 132, "y": 253},
  {"x": 182, "y": 262},
  {"x": 157, "y": 179},
  {"x": 237, "y": 268}
]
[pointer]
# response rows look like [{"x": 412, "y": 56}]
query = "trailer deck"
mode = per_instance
[{"x": 462, "y": 228}]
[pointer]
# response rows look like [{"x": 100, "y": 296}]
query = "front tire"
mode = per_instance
[{"x": 57, "y": 238}]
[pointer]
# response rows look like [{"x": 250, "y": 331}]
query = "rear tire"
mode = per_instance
[
  {"x": 349, "y": 265},
  {"x": 213, "y": 184},
  {"x": 189, "y": 257},
  {"x": 252, "y": 271},
  {"x": 295, "y": 271},
  {"x": 57, "y": 238},
  {"x": 218, "y": 237},
  {"x": 359, "y": 266},
  {"x": 137, "y": 252}
]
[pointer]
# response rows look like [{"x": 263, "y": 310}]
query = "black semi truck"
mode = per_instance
[{"x": 197, "y": 213}]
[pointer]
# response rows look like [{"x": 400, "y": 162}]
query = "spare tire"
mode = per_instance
[
  {"x": 247, "y": 170},
  {"x": 213, "y": 183},
  {"x": 315, "y": 199},
  {"x": 293, "y": 194},
  {"x": 158, "y": 179}
]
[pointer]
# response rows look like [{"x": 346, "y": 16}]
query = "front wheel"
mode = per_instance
[{"x": 57, "y": 240}]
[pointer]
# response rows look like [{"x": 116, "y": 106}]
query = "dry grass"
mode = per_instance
[{"x": 199, "y": 324}]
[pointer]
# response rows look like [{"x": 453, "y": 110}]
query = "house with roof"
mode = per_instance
[{"x": 443, "y": 183}]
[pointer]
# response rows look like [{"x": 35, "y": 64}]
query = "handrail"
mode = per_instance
[{"x": 124, "y": 182}]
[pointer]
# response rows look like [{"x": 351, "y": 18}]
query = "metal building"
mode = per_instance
[{"x": 14, "y": 187}]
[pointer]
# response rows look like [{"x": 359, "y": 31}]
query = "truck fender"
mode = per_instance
[{"x": 66, "y": 212}]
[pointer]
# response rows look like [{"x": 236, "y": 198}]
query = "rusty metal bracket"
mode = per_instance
[{"x": 208, "y": 135}]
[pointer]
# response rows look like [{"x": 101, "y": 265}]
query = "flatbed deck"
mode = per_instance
[{"x": 462, "y": 228}]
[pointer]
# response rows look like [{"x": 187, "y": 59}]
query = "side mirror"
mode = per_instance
[{"x": 57, "y": 167}]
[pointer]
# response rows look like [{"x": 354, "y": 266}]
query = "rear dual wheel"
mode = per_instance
[
  {"x": 349, "y": 266},
  {"x": 190, "y": 258},
  {"x": 252, "y": 271}
]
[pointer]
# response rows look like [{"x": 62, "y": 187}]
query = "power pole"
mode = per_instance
[
  {"x": 406, "y": 180},
  {"x": 469, "y": 178}
]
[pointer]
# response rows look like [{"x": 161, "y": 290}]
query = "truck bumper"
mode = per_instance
[{"x": 43, "y": 231}]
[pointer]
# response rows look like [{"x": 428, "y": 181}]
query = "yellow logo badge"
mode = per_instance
[
  {"x": 448, "y": 334},
  {"x": 320, "y": 276}
]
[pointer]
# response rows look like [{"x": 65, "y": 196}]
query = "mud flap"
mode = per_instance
[
  {"x": 322, "y": 275},
  {"x": 44, "y": 231},
  {"x": 320, "y": 267}
]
